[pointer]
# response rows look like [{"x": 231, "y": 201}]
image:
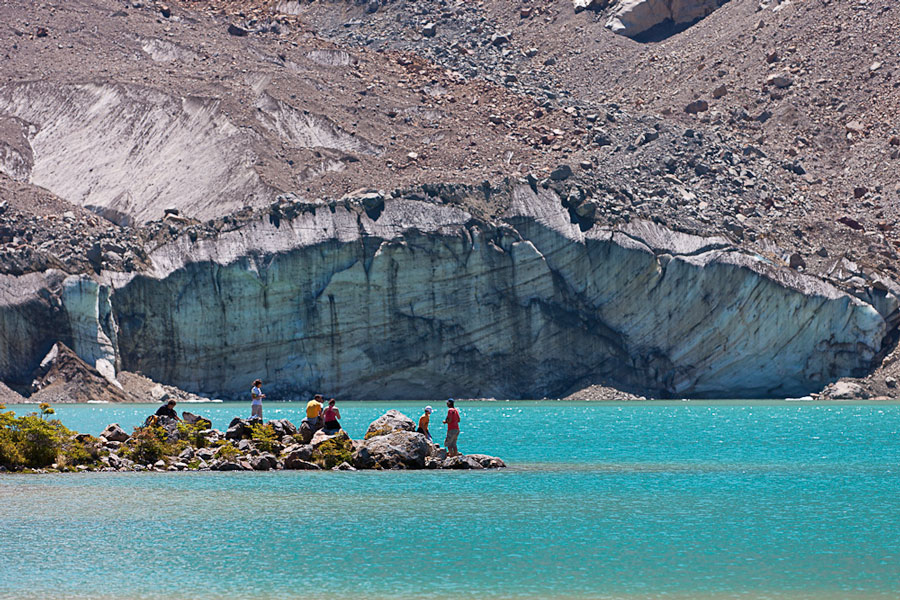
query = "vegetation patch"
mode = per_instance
[
  {"x": 264, "y": 437},
  {"x": 377, "y": 432},
  {"x": 34, "y": 441},
  {"x": 335, "y": 451}
]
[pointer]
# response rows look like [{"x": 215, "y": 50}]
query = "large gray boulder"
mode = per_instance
[
  {"x": 633, "y": 17},
  {"x": 488, "y": 462},
  {"x": 397, "y": 450},
  {"x": 846, "y": 390},
  {"x": 389, "y": 422},
  {"x": 114, "y": 433},
  {"x": 239, "y": 429}
]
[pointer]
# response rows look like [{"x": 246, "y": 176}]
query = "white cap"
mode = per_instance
[{"x": 428, "y": 409}]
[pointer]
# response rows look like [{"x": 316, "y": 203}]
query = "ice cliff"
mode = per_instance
[{"x": 411, "y": 297}]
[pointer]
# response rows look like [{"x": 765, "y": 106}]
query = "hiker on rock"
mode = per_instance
[
  {"x": 452, "y": 422},
  {"x": 331, "y": 415},
  {"x": 168, "y": 410},
  {"x": 256, "y": 397},
  {"x": 314, "y": 413},
  {"x": 423, "y": 422}
]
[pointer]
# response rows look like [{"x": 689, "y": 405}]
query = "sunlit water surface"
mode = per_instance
[{"x": 670, "y": 500}]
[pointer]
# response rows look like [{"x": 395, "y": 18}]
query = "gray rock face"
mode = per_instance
[
  {"x": 422, "y": 300},
  {"x": 391, "y": 421}
]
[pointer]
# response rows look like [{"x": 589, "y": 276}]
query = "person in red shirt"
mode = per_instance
[{"x": 452, "y": 422}]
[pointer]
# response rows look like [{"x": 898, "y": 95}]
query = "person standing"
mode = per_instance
[
  {"x": 452, "y": 422},
  {"x": 423, "y": 422},
  {"x": 256, "y": 397},
  {"x": 331, "y": 415}
]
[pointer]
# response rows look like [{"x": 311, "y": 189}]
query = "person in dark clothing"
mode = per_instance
[{"x": 168, "y": 410}]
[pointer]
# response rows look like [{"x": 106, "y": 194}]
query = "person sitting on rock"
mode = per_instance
[
  {"x": 423, "y": 422},
  {"x": 452, "y": 422},
  {"x": 314, "y": 413},
  {"x": 168, "y": 410},
  {"x": 331, "y": 414},
  {"x": 256, "y": 397}
]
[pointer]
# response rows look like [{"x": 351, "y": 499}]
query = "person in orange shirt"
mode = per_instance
[{"x": 423, "y": 422}]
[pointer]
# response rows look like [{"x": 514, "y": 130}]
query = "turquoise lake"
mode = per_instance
[{"x": 651, "y": 500}]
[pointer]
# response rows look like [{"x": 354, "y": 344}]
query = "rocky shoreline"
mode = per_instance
[{"x": 164, "y": 444}]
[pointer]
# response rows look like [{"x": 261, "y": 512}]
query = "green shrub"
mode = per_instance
[
  {"x": 147, "y": 445},
  {"x": 76, "y": 452},
  {"x": 333, "y": 452},
  {"x": 30, "y": 440},
  {"x": 191, "y": 433},
  {"x": 228, "y": 452},
  {"x": 264, "y": 436}
]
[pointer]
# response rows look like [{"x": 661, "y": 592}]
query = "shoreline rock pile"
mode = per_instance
[{"x": 251, "y": 445}]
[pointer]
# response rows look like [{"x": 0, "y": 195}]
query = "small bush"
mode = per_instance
[
  {"x": 228, "y": 452},
  {"x": 264, "y": 436},
  {"x": 191, "y": 433},
  {"x": 333, "y": 452},
  {"x": 147, "y": 445}
]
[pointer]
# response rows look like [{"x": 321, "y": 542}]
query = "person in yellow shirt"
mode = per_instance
[{"x": 314, "y": 412}]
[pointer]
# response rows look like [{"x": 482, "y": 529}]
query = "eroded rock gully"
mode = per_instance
[{"x": 409, "y": 297}]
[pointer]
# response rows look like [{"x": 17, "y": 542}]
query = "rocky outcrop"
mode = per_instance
[
  {"x": 166, "y": 445},
  {"x": 63, "y": 377},
  {"x": 634, "y": 17},
  {"x": 390, "y": 422},
  {"x": 414, "y": 297}
]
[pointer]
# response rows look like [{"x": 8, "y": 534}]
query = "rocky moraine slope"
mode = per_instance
[{"x": 421, "y": 199}]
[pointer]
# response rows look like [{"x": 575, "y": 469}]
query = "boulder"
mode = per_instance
[
  {"x": 306, "y": 432},
  {"x": 114, "y": 433},
  {"x": 400, "y": 449},
  {"x": 298, "y": 452},
  {"x": 344, "y": 466},
  {"x": 294, "y": 462},
  {"x": 779, "y": 80},
  {"x": 226, "y": 466},
  {"x": 192, "y": 419},
  {"x": 283, "y": 427},
  {"x": 633, "y": 17},
  {"x": 581, "y": 5},
  {"x": 846, "y": 390},
  {"x": 488, "y": 462},
  {"x": 697, "y": 106},
  {"x": 264, "y": 462},
  {"x": 389, "y": 422},
  {"x": 238, "y": 429},
  {"x": 462, "y": 461},
  {"x": 205, "y": 454}
]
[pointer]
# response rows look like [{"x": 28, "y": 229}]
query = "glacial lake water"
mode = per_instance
[{"x": 651, "y": 500}]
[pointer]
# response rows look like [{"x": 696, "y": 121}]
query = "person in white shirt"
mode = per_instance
[{"x": 256, "y": 396}]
